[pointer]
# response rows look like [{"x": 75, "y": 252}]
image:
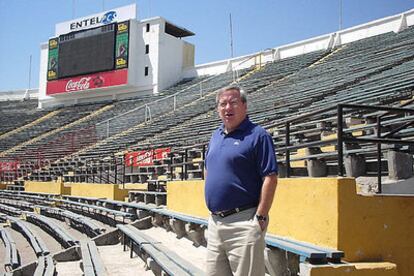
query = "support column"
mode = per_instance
[
  {"x": 400, "y": 165},
  {"x": 316, "y": 168},
  {"x": 355, "y": 165}
]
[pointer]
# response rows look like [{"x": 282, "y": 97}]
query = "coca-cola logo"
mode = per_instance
[{"x": 79, "y": 85}]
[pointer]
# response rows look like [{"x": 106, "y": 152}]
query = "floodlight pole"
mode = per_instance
[
  {"x": 231, "y": 38},
  {"x": 340, "y": 14}
]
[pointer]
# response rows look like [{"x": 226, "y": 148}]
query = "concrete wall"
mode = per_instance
[
  {"x": 138, "y": 59},
  {"x": 187, "y": 197},
  {"x": 108, "y": 191},
  {"x": 46, "y": 187},
  {"x": 328, "y": 212},
  {"x": 170, "y": 60}
]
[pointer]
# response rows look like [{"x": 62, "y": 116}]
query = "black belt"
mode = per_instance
[{"x": 227, "y": 213}]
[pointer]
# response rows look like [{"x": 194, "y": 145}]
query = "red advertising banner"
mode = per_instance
[
  {"x": 87, "y": 82},
  {"x": 145, "y": 157},
  {"x": 7, "y": 166}
]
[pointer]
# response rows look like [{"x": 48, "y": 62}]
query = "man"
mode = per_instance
[{"x": 241, "y": 178}]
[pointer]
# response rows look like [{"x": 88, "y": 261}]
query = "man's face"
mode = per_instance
[{"x": 231, "y": 109}]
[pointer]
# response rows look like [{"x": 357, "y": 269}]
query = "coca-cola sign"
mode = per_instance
[
  {"x": 87, "y": 82},
  {"x": 81, "y": 84}
]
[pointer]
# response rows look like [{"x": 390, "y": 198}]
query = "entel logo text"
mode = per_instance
[{"x": 105, "y": 19}]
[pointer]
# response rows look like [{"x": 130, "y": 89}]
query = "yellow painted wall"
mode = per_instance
[
  {"x": 287, "y": 218},
  {"x": 377, "y": 228},
  {"x": 306, "y": 209},
  {"x": 355, "y": 269},
  {"x": 135, "y": 186},
  {"x": 50, "y": 187},
  {"x": 187, "y": 197},
  {"x": 109, "y": 191},
  {"x": 328, "y": 212}
]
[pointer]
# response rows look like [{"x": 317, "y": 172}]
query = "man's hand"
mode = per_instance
[{"x": 263, "y": 224}]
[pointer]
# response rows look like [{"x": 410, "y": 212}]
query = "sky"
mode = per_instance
[{"x": 257, "y": 25}]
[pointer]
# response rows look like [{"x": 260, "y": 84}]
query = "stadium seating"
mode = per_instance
[
  {"x": 80, "y": 126},
  {"x": 25, "y": 111},
  {"x": 376, "y": 70}
]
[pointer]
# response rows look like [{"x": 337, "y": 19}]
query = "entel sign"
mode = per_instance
[{"x": 95, "y": 20}]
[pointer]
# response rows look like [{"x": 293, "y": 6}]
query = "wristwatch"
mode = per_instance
[{"x": 260, "y": 217}]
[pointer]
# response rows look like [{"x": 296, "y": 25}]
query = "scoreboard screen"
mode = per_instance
[{"x": 87, "y": 52}]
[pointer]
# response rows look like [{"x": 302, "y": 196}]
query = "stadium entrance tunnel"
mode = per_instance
[{"x": 329, "y": 212}]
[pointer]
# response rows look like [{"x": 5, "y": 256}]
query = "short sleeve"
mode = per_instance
[{"x": 266, "y": 156}]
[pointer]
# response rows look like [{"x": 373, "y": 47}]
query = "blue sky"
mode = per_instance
[{"x": 257, "y": 25}]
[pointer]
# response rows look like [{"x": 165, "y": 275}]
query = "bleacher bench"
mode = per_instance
[
  {"x": 11, "y": 257},
  {"x": 169, "y": 262},
  {"x": 36, "y": 243},
  {"x": 92, "y": 264},
  {"x": 60, "y": 234},
  {"x": 97, "y": 210},
  {"x": 45, "y": 266},
  {"x": 76, "y": 221},
  {"x": 306, "y": 251}
]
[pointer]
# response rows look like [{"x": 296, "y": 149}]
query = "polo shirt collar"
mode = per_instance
[{"x": 243, "y": 126}]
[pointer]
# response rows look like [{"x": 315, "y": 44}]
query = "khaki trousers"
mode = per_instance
[{"x": 235, "y": 245}]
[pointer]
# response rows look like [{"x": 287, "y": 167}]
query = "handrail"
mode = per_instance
[{"x": 153, "y": 102}]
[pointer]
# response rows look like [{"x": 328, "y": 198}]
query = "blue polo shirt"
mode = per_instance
[{"x": 236, "y": 164}]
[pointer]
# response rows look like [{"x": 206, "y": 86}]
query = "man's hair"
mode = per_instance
[{"x": 243, "y": 95}]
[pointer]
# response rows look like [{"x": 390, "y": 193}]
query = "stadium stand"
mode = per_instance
[
  {"x": 114, "y": 143},
  {"x": 85, "y": 131},
  {"x": 353, "y": 72},
  {"x": 362, "y": 72},
  {"x": 26, "y": 111}
]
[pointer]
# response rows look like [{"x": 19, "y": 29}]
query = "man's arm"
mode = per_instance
[{"x": 266, "y": 198}]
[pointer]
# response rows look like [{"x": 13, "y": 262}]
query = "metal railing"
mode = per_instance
[
  {"x": 149, "y": 110},
  {"x": 342, "y": 137}
]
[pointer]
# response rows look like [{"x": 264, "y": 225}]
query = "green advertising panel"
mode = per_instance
[
  {"x": 52, "y": 64},
  {"x": 121, "y": 46}
]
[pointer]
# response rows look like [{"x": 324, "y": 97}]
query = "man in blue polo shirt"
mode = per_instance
[{"x": 241, "y": 179}]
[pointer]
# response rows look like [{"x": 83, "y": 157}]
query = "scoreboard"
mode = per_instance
[{"x": 79, "y": 56}]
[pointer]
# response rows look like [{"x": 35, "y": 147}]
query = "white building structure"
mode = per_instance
[{"x": 157, "y": 58}]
